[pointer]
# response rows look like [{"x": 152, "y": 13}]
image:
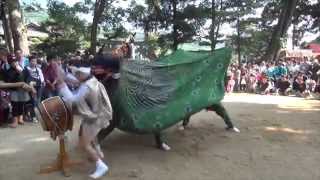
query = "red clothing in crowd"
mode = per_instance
[{"x": 50, "y": 73}]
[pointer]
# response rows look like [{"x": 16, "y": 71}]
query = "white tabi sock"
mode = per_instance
[
  {"x": 165, "y": 147},
  {"x": 236, "y": 130},
  {"x": 101, "y": 169}
]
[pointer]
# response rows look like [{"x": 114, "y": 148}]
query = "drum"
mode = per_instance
[{"x": 54, "y": 115}]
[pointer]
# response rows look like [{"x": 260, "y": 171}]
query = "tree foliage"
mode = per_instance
[
  {"x": 112, "y": 21},
  {"x": 176, "y": 21},
  {"x": 255, "y": 28},
  {"x": 67, "y": 32}
]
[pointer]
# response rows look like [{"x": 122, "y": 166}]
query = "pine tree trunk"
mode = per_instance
[
  {"x": 6, "y": 27},
  {"x": 175, "y": 26},
  {"x": 98, "y": 10},
  {"x": 213, "y": 25},
  {"x": 293, "y": 36},
  {"x": 238, "y": 40},
  {"x": 19, "y": 31},
  {"x": 146, "y": 30},
  {"x": 218, "y": 23},
  {"x": 284, "y": 21}
]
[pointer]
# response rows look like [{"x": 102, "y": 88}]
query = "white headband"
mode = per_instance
[{"x": 84, "y": 70}]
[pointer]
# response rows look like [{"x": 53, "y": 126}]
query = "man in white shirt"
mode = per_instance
[{"x": 93, "y": 105}]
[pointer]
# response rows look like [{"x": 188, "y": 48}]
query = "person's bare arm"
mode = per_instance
[
  {"x": 4, "y": 85},
  {"x": 23, "y": 85}
]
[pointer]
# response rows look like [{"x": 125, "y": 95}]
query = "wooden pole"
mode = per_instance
[{"x": 62, "y": 163}]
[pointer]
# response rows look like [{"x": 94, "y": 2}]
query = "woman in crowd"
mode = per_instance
[
  {"x": 5, "y": 97},
  {"x": 18, "y": 97}
]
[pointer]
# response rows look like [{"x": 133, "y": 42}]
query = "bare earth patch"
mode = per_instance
[{"x": 279, "y": 140}]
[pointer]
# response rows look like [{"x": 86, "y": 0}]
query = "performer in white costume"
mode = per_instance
[{"x": 92, "y": 103}]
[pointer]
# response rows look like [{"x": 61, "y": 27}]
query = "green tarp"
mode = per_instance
[{"x": 154, "y": 96}]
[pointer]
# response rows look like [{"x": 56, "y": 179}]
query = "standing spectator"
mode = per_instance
[
  {"x": 243, "y": 79},
  {"x": 65, "y": 64},
  {"x": 4, "y": 61},
  {"x": 50, "y": 76},
  {"x": 296, "y": 67},
  {"x": 263, "y": 66},
  {"x": 22, "y": 60},
  {"x": 314, "y": 69},
  {"x": 42, "y": 62},
  {"x": 243, "y": 83},
  {"x": 251, "y": 85},
  {"x": 77, "y": 60},
  {"x": 304, "y": 66},
  {"x": 310, "y": 85},
  {"x": 230, "y": 81},
  {"x": 280, "y": 70},
  {"x": 237, "y": 77},
  {"x": 270, "y": 71},
  {"x": 18, "y": 97},
  {"x": 271, "y": 75},
  {"x": 317, "y": 89},
  {"x": 290, "y": 66},
  {"x": 36, "y": 79}
]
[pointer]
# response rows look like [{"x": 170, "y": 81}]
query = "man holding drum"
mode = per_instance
[{"x": 92, "y": 103}]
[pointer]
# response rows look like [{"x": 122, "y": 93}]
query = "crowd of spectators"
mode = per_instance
[
  {"x": 298, "y": 77},
  {"x": 41, "y": 73}
]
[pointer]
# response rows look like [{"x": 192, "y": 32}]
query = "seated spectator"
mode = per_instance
[
  {"x": 264, "y": 85},
  {"x": 299, "y": 85},
  {"x": 283, "y": 86},
  {"x": 310, "y": 86}
]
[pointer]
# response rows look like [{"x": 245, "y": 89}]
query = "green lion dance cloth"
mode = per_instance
[{"x": 154, "y": 96}]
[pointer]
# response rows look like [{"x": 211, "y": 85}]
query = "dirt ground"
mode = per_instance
[{"x": 279, "y": 140}]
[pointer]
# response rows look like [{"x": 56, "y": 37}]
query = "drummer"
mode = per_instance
[{"x": 93, "y": 105}]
